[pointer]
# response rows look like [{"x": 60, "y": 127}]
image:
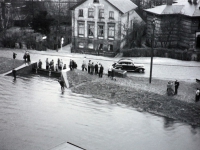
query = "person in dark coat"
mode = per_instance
[
  {"x": 89, "y": 65},
  {"x": 176, "y": 83},
  {"x": 113, "y": 74},
  {"x": 40, "y": 64},
  {"x": 47, "y": 64},
  {"x": 14, "y": 72},
  {"x": 101, "y": 71},
  {"x": 92, "y": 68},
  {"x": 96, "y": 68},
  {"x": 62, "y": 84},
  {"x": 14, "y": 55},
  {"x": 28, "y": 58},
  {"x": 64, "y": 67},
  {"x": 71, "y": 65}
]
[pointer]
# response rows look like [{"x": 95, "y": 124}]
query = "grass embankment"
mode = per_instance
[
  {"x": 136, "y": 92},
  {"x": 7, "y": 64}
]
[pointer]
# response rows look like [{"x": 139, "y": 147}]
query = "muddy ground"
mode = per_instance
[{"x": 138, "y": 93}]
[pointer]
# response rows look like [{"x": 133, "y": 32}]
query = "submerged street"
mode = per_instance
[{"x": 35, "y": 115}]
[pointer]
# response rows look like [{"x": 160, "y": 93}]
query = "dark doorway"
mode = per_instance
[{"x": 198, "y": 42}]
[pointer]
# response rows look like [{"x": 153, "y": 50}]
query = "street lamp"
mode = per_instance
[{"x": 152, "y": 45}]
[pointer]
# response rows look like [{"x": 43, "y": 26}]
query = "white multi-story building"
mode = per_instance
[{"x": 100, "y": 26}]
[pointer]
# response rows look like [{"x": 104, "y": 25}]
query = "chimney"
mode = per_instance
[{"x": 169, "y": 2}]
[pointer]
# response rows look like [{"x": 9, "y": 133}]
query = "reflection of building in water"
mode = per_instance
[{"x": 101, "y": 25}]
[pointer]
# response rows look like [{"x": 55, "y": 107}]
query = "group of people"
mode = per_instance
[
  {"x": 170, "y": 89},
  {"x": 92, "y": 68},
  {"x": 50, "y": 65}
]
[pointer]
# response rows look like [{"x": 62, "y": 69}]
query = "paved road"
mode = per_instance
[{"x": 163, "y": 68}]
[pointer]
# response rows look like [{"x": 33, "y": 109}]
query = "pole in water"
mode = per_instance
[{"x": 49, "y": 73}]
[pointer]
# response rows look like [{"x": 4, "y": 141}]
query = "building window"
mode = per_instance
[
  {"x": 110, "y": 47},
  {"x": 91, "y": 30},
  {"x": 80, "y": 14},
  {"x": 96, "y": 1},
  {"x": 101, "y": 31},
  {"x": 90, "y": 12},
  {"x": 101, "y": 47},
  {"x": 101, "y": 13},
  {"x": 111, "y": 31},
  {"x": 81, "y": 29},
  {"x": 81, "y": 45},
  {"x": 111, "y": 15},
  {"x": 90, "y": 45}
]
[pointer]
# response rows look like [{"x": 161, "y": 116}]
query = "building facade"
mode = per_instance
[
  {"x": 176, "y": 25},
  {"x": 100, "y": 26}
]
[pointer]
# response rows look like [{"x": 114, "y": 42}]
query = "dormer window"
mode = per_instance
[
  {"x": 96, "y": 1},
  {"x": 80, "y": 13}
]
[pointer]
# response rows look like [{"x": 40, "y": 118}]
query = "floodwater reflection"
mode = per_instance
[{"x": 34, "y": 114}]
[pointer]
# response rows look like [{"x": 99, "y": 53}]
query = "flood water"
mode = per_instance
[{"x": 35, "y": 115}]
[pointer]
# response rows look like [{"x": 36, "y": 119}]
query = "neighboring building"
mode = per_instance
[
  {"x": 100, "y": 26},
  {"x": 176, "y": 25}
]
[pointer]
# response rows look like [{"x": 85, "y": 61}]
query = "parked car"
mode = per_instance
[{"x": 129, "y": 65}]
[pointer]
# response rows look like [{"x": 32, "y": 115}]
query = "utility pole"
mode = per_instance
[
  {"x": 58, "y": 27},
  {"x": 152, "y": 53}
]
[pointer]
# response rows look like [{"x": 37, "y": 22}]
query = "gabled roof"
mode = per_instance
[
  {"x": 165, "y": 9},
  {"x": 181, "y": 7},
  {"x": 122, "y": 5}
]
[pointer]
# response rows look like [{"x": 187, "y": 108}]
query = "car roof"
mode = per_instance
[{"x": 125, "y": 60}]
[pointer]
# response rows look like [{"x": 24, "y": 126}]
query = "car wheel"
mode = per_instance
[{"x": 140, "y": 70}]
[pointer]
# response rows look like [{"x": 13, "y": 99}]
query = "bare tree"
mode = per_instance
[{"x": 169, "y": 30}]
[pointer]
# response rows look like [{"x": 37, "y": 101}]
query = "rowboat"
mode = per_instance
[{"x": 198, "y": 80}]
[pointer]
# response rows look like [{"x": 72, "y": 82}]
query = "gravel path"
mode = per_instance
[{"x": 137, "y": 92}]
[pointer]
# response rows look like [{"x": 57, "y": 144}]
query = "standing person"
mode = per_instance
[
  {"x": 113, "y": 74},
  {"x": 71, "y": 65},
  {"x": 109, "y": 71},
  {"x": 47, "y": 64},
  {"x": 58, "y": 61},
  {"x": 92, "y": 68},
  {"x": 64, "y": 67},
  {"x": 28, "y": 58},
  {"x": 89, "y": 65},
  {"x": 57, "y": 68},
  {"x": 60, "y": 65},
  {"x": 14, "y": 72},
  {"x": 101, "y": 71},
  {"x": 197, "y": 95},
  {"x": 84, "y": 66},
  {"x": 14, "y": 55},
  {"x": 96, "y": 68},
  {"x": 40, "y": 64},
  {"x": 62, "y": 84},
  {"x": 25, "y": 57},
  {"x": 176, "y": 83},
  {"x": 52, "y": 65}
]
